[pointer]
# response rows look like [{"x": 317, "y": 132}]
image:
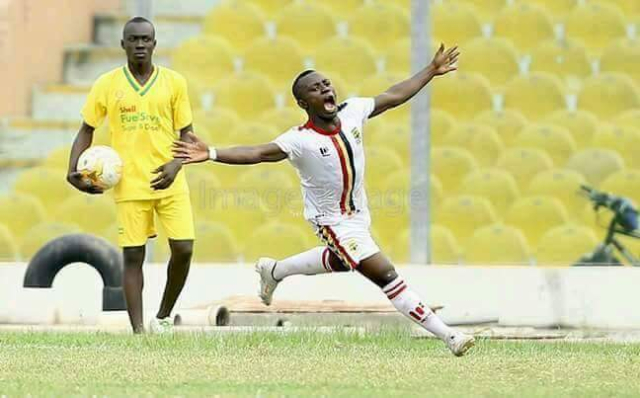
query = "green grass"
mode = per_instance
[{"x": 306, "y": 364}]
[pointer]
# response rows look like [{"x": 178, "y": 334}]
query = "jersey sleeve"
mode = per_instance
[
  {"x": 290, "y": 144},
  {"x": 182, "y": 116},
  {"x": 361, "y": 108},
  {"x": 95, "y": 107}
]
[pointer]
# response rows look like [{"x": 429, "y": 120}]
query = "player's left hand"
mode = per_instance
[
  {"x": 168, "y": 173},
  {"x": 445, "y": 61}
]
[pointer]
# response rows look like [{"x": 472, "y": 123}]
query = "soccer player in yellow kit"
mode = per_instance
[{"x": 145, "y": 106}]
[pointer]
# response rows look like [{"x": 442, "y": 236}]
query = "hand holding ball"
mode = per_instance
[{"x": 101, "y": 165}]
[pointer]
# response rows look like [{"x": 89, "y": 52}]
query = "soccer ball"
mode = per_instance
[{"x": 102, "y": 165}]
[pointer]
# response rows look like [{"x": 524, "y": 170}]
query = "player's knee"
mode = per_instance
[
  {"x": 182, "y": 250},
  {"x": 388, "y": 276},
  {"x": 133, "y": 256}
]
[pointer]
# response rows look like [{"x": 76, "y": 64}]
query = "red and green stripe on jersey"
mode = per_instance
[{"x": 345, "y": 153}]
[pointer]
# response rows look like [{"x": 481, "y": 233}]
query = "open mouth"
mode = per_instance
[{"x": 330, "y": 103}]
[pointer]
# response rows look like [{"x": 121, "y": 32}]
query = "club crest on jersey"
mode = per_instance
[
  {"x": 324, "y": 151},
  {"x": 356, "y": 134},
  {"x": 352, "y": 245}
]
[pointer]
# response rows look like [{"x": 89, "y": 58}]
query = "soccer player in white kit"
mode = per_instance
[{"x": 329, "y": 155}]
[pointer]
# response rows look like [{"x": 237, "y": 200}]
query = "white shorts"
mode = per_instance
[{"x": 350, "y": 239}]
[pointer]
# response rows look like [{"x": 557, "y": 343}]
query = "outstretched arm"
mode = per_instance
[
  {"x": 443, "y": 63},
  {"x": 197, "y": 151}
]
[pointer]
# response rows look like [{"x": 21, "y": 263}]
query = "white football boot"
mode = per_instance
[
  {"x": 459, "y": 343},
  {"x": 268, "y": 283},
  {"x": 161, "y": 326}
]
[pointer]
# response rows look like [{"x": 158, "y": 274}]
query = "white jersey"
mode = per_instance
[{"x": 331, "y": 164}]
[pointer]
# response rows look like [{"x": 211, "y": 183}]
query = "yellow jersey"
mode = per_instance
[{"x": 143, "y": 121}]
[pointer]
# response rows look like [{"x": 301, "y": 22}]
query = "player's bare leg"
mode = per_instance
[
  {"x": 133, "y": 282},
  {"x": 177, "y": 272},
  {"x": 379, "y": 270}
]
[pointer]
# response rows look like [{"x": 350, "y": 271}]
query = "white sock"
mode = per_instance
[
  {"x": 409, "y": 304},
  {"x": 311, "y": 262}
]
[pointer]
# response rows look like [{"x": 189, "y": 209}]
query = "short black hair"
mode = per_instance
[
  {"x": 294, "y": 86},
  {"x": 139, "y": 20}
]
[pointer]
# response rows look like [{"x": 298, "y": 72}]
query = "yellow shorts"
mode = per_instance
[{"x": 136, "y": 221}]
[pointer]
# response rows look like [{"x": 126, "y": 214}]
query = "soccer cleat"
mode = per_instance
[
  {"x": 459, "y": 343},
  {"x": 268, "y": 283},
  {"x": 161, "y": 326}
]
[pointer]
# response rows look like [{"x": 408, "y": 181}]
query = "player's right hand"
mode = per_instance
[
  {"x": 195, "y": 151},
  {"x": 83, "y": 184}
]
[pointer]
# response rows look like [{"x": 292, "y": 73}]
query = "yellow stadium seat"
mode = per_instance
[
  {"x": 306, "y": 23},
  {"x": 494, "y": 184},
  {"x": 379, "y": 83},
  {"x": 217, "y": 243},
  {"x": 608, "y": 95},
  {"x": 397, "y": 136},
  {"x": 628, "y": 119},
  {"x": 596, "y": 164},
  {"x": 224, "y": 19},
  {"x": 464, "y": 214},
  {"x": 524, "y": 164},
  {"x": 376, "y": 129},
  {"x": 282, "y": 119},
  {"x": 628, "y": 7},
  {"x": 498, "y": 245},
  {"x": 343, "y": 7},
  {"x": 441, "y": 124},
  {"x": 8, "y": 245},
  {"x": 454, "y": 23},
  {"x": 463, "y": 95},
  {"x": 252, "y": 134},
  {"x": 369, "y": 20},
  {"x": 280, "y": 59},
  {"x": 622, "y": 56},
  {"x": 624, "y": 140},
  {"x": 566, "y": 59},
  {"x": 47, "y": 184},
  {"x": 563, "y": 184},
  {"x": 507, "y": 123},
  {"x": 381, "y": 162},
  {"x": 58, "y": 158},
  {"x": 556, "y": 141},
  {"x": 581, "y": 124},
  {"x": 42, "y": 234},
  {"x": 204, "y": 60},
  {"x": 249, "y": 94},
  {"x": 275, "y": 240},
  {"x": 487, "y": 9},
  {"x": 524, "y": 93},
  {"x": 218, "y": 123},
  {"x": 352, "y": 57},
  {"x": 480, "y": 56},
  {"x": 271, "y": 7},
  {"x": 444, "y": 247},
  {"x": 481, "y": 140},
  {"x": 265, "y": 181},
  {"x": 398, "y": 57},
  {"x": 240, "y": 211},
  {"x": 624, "y": 183},
  {"x": 92, "y": 213},
  {"x": 596, "y": 25},
  {"x": 525, "y": 24},
  {"x": 20, "y": 212},
  {"x": 204, "y": 189},
  {"x": 558, "y": 9},
  {"x": 535, "y": 215},
  {"x": 451, "y": 165},
  {"x": 564, "y": 245}
]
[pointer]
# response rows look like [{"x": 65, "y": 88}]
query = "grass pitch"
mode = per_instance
[{"x": 307, "y": 364}]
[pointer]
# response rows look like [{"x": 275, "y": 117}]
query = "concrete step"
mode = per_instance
[
  {"x": 24, "y": 142},
  {"x": 171, "y": 30},
  {"x": 59, "y": 102},
  {"x": 83, "y": 64},
  {"x": 173, "y": 7}
]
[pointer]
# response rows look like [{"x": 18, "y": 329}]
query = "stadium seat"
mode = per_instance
[
  {"x": 204, "y": 60},
  {"x": 352, "y": 57},
  {"x": 20, "y": 212},
  {"x": 92, "y": 213},
  {"x": 266, "y": 181},
  {"x": 443, "y": 246},
  {"x": 398, "y": 57},
  {"x": 623, "y": 55},
  {"x": 270, "y": 8},
  {"x": 624, "y": 183},
  {"x": 441, "y": 124},
  {"x": 451, "y": 165},
  {"x": 224, "y": 19},
  {"x": 463, "y": 95},
  {"x": 253, "y": 134},
  {"x": 487, "y": 9},
  {"x": 627, "y": 7},
  {"x": 494, "y": 58},
  {"x": 535, "y": 215},
  {"x": 524, "y": 164},
  {"x": 204, "y": 189},
  {"x": 42, "y": 234},
  {"x": 494, "y": 184},
  {"x": 596, "y": 164},
  {"x": 343, "y": 8},
  {"x": 282, "y": 119},
  {"x": 280, "y": 59},
  {"x": 558, "y": 9},
  {"x": 524, "y": 94},
  {"x": 276, "y": 240},
  {"x": 454, "y": 23},
  {"x": 481, "y": 140},
  {"x": 525, "y": 24},
  {"x": 624, "y": 140},
  {"x": 47, "y": 184},
  {"x": 381, "y": 162},
  {"x": 397, "y": 136},
  {"x": 564, "y": 245},
  {"x": 628, "y": 119},
  {"x": 507, "y": 123},
  {"x": 217, "y": 243},
  {"x": 464, "y": 214},
  {"x": 374, "y": 85},
  {"x": 240, "y": 212},
  {"x": 497, "y": 245},
  {"x": 249, "y": 94},
  {"x": 608, "y": 95},
  {"x": 307, "y": 23},
  {"x": 58, "y": 158},
  {"x": 562, "y": 184},
  {"x": 556, "y": 141},
  {"x": 218, "y": 123},
  {"x": 596, "y": 24},
  {"x": 566, "y": 59},
  {"x": 581, "y": 124},
  {"x": 8, "y": 246},
  {"x": 372, "y": 18}
]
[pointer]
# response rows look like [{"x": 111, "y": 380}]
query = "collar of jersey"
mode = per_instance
[
  {"x": 142, "y": 90},
  {"x": 310, "y": 125}
]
